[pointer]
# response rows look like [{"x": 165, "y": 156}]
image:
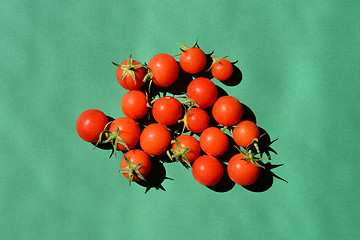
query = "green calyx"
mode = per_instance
[
  {"x": 113, "y": 138},
  {"x": 184, "y": 120},
  {"x": 103, "y": 134},
  {"x": 179, "y": 153},
  {"x": 132, "y": 170},
  {"x": 148, "y": 76},
  {"x": 129, "y": 68},
  {"x": 255, "y": 143},
  {"x": 191, "y": 103},
  {"x": 215, "y": 60},
  {"x": 184, "y": 48},
  {"x": 249, "y": 156},
  {"x": 189, "y": 100}
]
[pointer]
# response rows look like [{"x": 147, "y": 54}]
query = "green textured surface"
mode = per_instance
[{"x": 300, "y": 66}]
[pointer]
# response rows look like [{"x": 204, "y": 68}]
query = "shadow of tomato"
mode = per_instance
[
  {"x": 235, "y": 78},
  {"x": 266, "y": 179},
  {"x": 156, "y": 176},
  {"x": 225, "y": 184}
]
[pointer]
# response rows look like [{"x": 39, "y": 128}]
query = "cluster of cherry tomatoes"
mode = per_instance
[{"x": 192, "y": 128}]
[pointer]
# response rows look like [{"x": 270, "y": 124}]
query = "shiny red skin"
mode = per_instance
[
  {"x": 245, "y": 132},
  {"x": 167, "y": 110},
  {"x": 90, "y": 123},
  {"x": 227, "y": 111},
  {"x": 213, "y": 141},
  {"x": 193, "y": 60},
  {"x": 207, "y": 170},
  {"x": 154, "y": 139},
  {"x": 222, "y": 70},
  {"x": 242, "y": 172},
  {"x": 129, "y": 132},
  {"x": 197, "y": 120},
  {"x": 203, "y": 91},
  {"x": 164, "y": 68},
  {"x": 134, "y": 104}
]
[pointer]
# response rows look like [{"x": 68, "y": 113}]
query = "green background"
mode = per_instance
[{"x": 300, "y": 66}]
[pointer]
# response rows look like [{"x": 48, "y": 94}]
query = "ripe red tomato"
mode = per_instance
[
  {"x": 245, "y": 132},
  {"x": 164, "y": 69},
  {"x": 222, "y": 69},
  {"x": 227, "y": 111},
  {"x": 134, "y": 104},
  {"x": 124, "y": 133},
  {"x": 186, "y": 148},
  {"x": 90, "y": 123},
  {"x": 167, "y": 110},
  {"x": 130, "y": 74},
  {"x": 154, "y": 139},
  {"x": 203, "y": 91},
  {"x": 207, "y": 170},
  {"x": 241, "y": 171},
  {"x": 213, "y": 141},
  {"x": 135, "y": 165},
  {"x": 196, "y": 120},
  {"x": 192, "y": 60}
]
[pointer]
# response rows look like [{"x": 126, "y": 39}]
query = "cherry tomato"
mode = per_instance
[
  {"x": 245, "y": 132},
  {"x": 167, "y": 110},
  {"x": 164, "y": 69},
  {"x": 207, "y": 170},
  {"x": 124, "y": 130},
  {"x": 241, "y": 171},
  {"x": 213, "y": 141},
  {"x": 203, "y": 91},
  {"x": 90, "y": 123},
  {"x": 186, "y": 141},
  {"x": 196, "y": 120},
  {"x": 130, "y": 74},
  {"x": 139, "y": 167},
  {"x": 222, "y": 69},
  {"x": 154, "y": 139},
  {"x": 134, "y": 104},
  {"x": 227, "y": 111},
  {"x": 192, "y": 60}
]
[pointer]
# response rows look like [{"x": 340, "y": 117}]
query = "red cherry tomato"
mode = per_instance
[
  {"x": 213, "y": 141},
  {"x": 164, "y": 69},
  {"x": 154, "y": 139},
  {"x": 245, "y": 132},
  {"x": 196, "y": 120},
  {"x": 130, "y": 74},
  {"x": 227, "y": 111},
  {"x": 207, "y": 170},
  {"x": 128, "y": 131},
  {"x": 242, "y": 172},
  {"x": 167, "y": 110},
  {"x": 222, "y": 69},
  {"x": 193, "y": 60},
  {"x": 187, "y": 141},
  {"x": 203, "y": 91},
  {"x": 135, "y": 157},
  {"x": 90, "y": 123},
  {"x": 134, "y": 104}
]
